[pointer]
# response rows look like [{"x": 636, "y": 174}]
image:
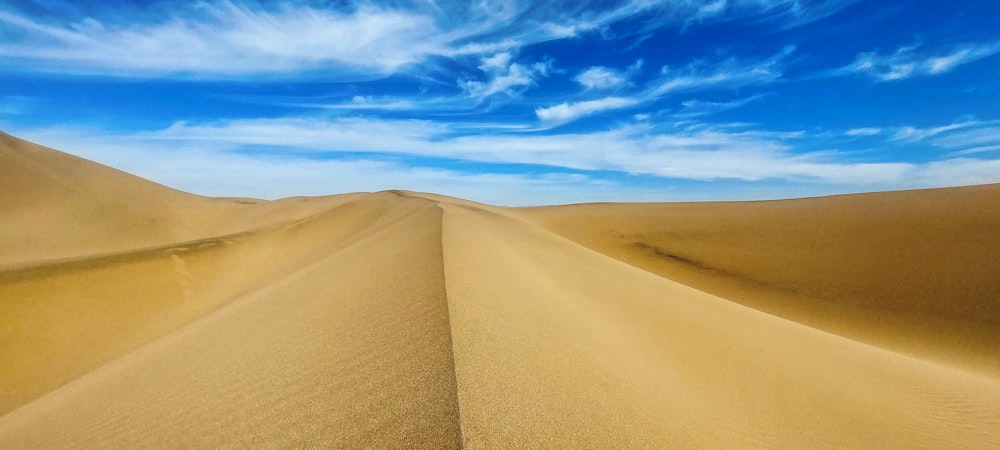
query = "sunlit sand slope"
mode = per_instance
[
  {"x": 557, "y": 346},
  {"x": 351, "y": 348},
  {"x": 61, "y": 320},
  {"x": 918, "y": 271}
]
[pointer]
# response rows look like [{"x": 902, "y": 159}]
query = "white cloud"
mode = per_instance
[
  {"x": 504, "y": 76},
  {"x": 496, "y": 63},
  {"x": 731, "y": 72},
  {"x": 566, "y": 112},
  {"x": 600, "y": 78},
  {"x": 914, "y": 134},
  {"x": 706, "y": 11},
  {"x": 962, "y": 138},
  {"x": 698, "y": 108},
  {"x": 975, "y": 150},
  {"x": 344, "y": 134},
  {"x": 969, "y": 138},
  {"x": 229, "y": 39},
  {"x": 361, "y": 102},
  {"x": 700, "y": 75},
  {"x": 790, "y": 13},
  {"x": 908, "y": 62},
  {"x": 711, "y": 9},
  {"x": 868, "y": 131},
  {"x": 954, "y": 172}
]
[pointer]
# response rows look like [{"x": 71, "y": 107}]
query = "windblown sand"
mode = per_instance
[{"x": 136, "y": 316}]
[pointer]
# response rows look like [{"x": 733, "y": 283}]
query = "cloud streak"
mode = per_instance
[
  {"x": 910, "y": 61},
  {"x": 567, "y": 112},
  {"x": 699, "y": 108},
  {"x": 914, "y": 134},
  {"x": 868, "y": 131},
  {"x": 730, "y": 73}
]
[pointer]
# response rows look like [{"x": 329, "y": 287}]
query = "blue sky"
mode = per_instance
[{"x": 513, "y": 102}]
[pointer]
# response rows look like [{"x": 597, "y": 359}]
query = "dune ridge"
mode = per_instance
[{"x": 403, "y": 319}]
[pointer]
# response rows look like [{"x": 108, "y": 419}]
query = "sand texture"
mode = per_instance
[{"x": 137, "y": 316}]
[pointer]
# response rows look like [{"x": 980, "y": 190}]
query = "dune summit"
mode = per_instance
[{"x": 136, "y": 316}]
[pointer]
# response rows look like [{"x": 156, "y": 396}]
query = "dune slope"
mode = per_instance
[
  {"x": 557, "y": 346},
  {"x": 915, "y": 270},
  {"x": 61, "y": 320},
  {"x": 350, "y": 350},
  {"x": 57, "y": 206}
]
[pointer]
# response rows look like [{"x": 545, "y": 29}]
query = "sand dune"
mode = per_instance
[
  {"x": 136, "y": 316},
  {"x": 57, "y": 206},
  {"x": 596, "y": 353},
  {"x": 916, "y": 271}
]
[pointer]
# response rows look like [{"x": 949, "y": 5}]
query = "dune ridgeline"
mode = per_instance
[{"x": 133, "y": 315}]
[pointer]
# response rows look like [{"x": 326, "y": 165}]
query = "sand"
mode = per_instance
[
  {"x": 137, "y": 316},
  {"x": 915, "y": 271}
]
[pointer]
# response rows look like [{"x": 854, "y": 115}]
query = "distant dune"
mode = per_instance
[{"x": 133, "y": 315}]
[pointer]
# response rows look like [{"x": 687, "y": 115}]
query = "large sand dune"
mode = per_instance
[{"x": 136, "y": 316}]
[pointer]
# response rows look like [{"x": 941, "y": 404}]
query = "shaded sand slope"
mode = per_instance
[
  {"x": 916, "y": 271},
  {"x": 54, "y": 206},
  {"x": 557, "y": 346},
  {"x": 349, "y": 350}
]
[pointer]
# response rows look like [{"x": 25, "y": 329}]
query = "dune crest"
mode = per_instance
[{"x": 408, "y": 320}]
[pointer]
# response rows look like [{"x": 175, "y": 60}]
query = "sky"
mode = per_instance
[{"x": 513, "y": 102}]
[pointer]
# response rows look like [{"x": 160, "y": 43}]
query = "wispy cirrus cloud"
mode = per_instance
[
  {"x": 567, "y": 112},
  {"x": 362, "y": 102},
  {"x": 229, "y": 39},
  {"x": 699, "y": 108},
  {"x": 914, "y": 134},
  {"x": 966, "y": 137},
  {"x": 979, "y": 137},
  {"x": 912, "y": 61},
  {"x": 866, "y": 131},
  {"x": 789, "y": 13},
  {"x": 731, "y": 72}
]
